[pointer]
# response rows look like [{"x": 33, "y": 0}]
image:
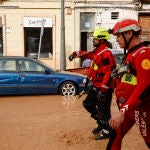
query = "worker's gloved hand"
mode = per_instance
[{"x": 73, "y": 55}]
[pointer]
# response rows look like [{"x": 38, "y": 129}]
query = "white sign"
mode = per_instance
[
  {"x": 7, "y": 29},
  {"x": 36, "y": 22},
  {"x": 87, "y": 24}
]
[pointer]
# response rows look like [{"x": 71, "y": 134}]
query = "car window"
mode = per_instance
[
  {"x": 7, "y": 65},
  {"x": 27, "y": 65}
]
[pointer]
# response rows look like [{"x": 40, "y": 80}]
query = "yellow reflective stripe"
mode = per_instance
[
  {"x": 129, "y": 79},
  {"x": 95, "y": 67}
]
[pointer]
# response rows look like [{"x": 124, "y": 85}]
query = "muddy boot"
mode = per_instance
[
  {"x": 96, "y": 130},
  {"x": 103, "y": 135}
]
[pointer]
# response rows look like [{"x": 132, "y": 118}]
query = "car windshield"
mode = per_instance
[{"x": 47, "y": 66}]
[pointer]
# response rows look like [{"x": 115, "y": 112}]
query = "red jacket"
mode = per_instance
[
  {"x": 130, "y": 92},
  {"x": 101, "y": 66}
]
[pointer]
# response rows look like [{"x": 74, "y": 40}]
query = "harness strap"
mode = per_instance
[
  {"x": 103, "y": 51},
  {"x": 140, "y": 49}
]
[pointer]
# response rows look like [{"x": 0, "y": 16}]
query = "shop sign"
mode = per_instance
[{"x": 37, "y": 22}]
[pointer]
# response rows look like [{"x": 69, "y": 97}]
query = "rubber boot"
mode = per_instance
[
  {"x": 96, "y": 130},
  {"x": 103, "y": 135}
]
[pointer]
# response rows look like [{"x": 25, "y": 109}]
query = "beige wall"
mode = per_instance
[
  {"x": 13, "y": 19},
  {"x": 13, "y": 11},
  {"x": 14, "y": 40}
]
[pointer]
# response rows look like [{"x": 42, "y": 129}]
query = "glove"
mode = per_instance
[
  {"x": 114, "y": 73},
  {"x": 100, "y": 95},
  {"x": 72, "y": 56}
]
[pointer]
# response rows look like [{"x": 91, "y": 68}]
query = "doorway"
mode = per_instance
[{"x": 87, "y": 26}]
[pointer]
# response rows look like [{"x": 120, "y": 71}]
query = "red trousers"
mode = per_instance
[{"x": 141, "y": 117}]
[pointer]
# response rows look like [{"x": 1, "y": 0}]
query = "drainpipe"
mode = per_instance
[{"x": 62, "y": 39}]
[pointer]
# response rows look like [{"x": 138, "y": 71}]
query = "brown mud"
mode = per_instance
[{"x": 51, "y": 122}]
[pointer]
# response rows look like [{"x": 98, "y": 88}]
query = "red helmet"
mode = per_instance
[{"x": 126, "y": 25}]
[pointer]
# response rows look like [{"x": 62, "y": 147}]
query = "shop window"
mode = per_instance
[{"x": 32, "y": 41}]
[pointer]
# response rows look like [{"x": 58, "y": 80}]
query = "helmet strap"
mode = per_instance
[{"x": 127, "y": 43}]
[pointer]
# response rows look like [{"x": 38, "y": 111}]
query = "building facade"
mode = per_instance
[{"x": 33, "y": 28}]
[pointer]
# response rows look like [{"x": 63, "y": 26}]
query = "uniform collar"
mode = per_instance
[
  {"x": 135, "y": 47},
  {"x": 102, "y": 47},
  {"x": 132, "y": 50}
]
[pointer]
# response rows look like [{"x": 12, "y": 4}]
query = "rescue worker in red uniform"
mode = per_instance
[
  {"x": 99, "y": 96},
  {"x": 133, "y": 91}
]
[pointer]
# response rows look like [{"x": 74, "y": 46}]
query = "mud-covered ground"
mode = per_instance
[{"x": 51, "y": 122}]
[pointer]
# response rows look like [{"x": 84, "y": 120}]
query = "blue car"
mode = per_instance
[{"x": 22, "y": 75}]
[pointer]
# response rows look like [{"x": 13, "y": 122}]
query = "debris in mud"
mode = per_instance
[{"x": 72, "y": 137}]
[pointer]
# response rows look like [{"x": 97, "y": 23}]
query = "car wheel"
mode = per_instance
[{"x": 68, "y": 88}]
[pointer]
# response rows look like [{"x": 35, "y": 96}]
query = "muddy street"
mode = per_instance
[{"x": 51, "y": 122}]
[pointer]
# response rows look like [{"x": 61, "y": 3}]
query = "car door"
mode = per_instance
[
  {"x": 33, "y": 78},
  {"x": 9, "y": 76}
]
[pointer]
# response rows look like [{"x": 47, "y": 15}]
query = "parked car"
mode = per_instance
[{"x": 22, "y": 75}]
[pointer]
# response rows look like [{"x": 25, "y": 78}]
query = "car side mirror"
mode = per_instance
[{"x": 47, "y": 71}]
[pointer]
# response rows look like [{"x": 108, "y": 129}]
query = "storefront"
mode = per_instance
[
  {"x": 33, "y": 28},
  {"x": 30, "y": 34},
  {"x": 38, "y": 37}
]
